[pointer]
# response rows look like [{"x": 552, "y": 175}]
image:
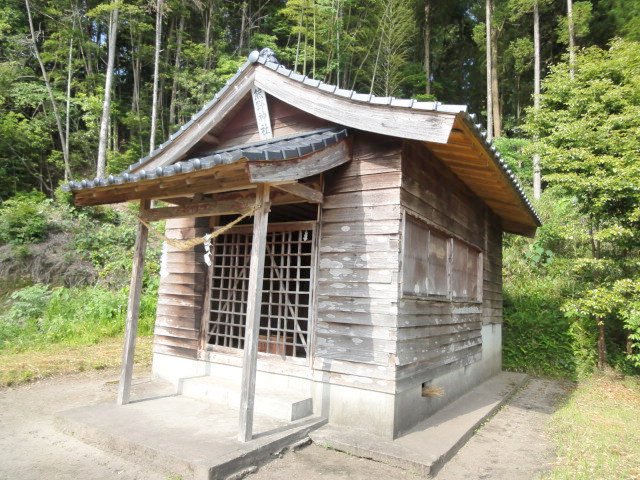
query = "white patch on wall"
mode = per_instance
[
  {"x": 466, "y": 310},
  {"x": 164, "y": 260}
]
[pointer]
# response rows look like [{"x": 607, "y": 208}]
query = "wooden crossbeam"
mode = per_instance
[
  {"x": 301, "y": 167},
  {"x": 221, "y": 204},
  {"x": 202, "y": 209},
  {"x": 308, "y": 194}
]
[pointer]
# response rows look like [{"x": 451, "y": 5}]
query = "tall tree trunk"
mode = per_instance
[
  {"x": 338, "y": 26},
  {"x": 67, "y": 117},
  {"x": 427, "y": 46},
  {"x": 208, "y": 23},
  {"x": 176, "y": 67},
  {"x": 243, "y": 27},
  {"x": 106, "y": 105},
  {"x": 313, "y": 65},
  {"x": 537, "y": 176},
  {"x": 488, "y": 9},
  {"x": 572, "y": 39},
  {"x": 495, "y": 91},
  {"x": 162, "y": 86},
  {"x": 156, "y": 72},
  {"x": 54, "y": 106},
  {"x": 295, "y": 65},
  {"x": 602, "y": 347}
]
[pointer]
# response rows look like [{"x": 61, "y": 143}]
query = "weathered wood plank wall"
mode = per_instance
[
  {"x": 359, "y": 267},
  {"x": 492, "y": 288},
  {"x": 181, "y": 291},
  {"x": 285, "y": 120},
  {"x": 435, "y": 337}
]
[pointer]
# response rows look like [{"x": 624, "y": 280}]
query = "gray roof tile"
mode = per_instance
[{"x": 282, "y": 148}]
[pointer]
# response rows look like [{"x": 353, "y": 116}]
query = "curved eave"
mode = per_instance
[{"x": 478, "y": 164}]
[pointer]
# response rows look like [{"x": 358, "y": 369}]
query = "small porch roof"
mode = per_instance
[{"x": 239, "y": 167}]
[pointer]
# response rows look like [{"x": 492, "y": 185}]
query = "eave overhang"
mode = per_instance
[
  {"x": 280, "y": 160},
  {"x": 447, "y": 130}
]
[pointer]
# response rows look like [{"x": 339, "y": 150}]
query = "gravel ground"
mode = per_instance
[{"x": 512, "y": 445}]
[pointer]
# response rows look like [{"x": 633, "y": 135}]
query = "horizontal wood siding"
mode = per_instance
[
  {"x": 285, "y": 120},
  {"x": 435, "y": 337},
  {"x": 492, "y": 272},
  {"x": 359, "y": 266},
  {"x": 181, "y": 291}
]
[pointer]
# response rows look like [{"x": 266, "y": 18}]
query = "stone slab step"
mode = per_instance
[
  {"x": 433, "y": 442},
  {"x": 184, "y": 437},
  {"x": 285, "y": 405}
]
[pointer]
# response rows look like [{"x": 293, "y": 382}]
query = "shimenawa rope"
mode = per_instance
[{"x": 192, "y": 242}]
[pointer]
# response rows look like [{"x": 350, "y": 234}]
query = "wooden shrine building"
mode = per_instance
[{"x": 366, "y": 269}]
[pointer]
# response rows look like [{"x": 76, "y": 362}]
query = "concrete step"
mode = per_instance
[
  {"x": 433, "y": 442},
  {"x": 280, "y": 404},
  {"x": 185, "y": 437}
]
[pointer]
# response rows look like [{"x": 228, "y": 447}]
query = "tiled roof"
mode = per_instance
[
  {"x": 282, "y": 148},
  {"x": 267, "y": 58}
]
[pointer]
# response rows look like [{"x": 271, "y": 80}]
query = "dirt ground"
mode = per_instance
[
  {"x": 512, "y": 445},
  {"x": 31, "y": 447}
]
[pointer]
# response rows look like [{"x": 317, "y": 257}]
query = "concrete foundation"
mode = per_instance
[
  {"x": 411, "y": 407},
  {"x": 433, "y": 441},
  {"x": 388, "y": 415},
  {"x": 184, "y": 436}
]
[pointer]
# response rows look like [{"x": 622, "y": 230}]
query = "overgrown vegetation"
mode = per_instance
[
  {"x": 572, "y": 296},
  {"x": 71, "y": 292},
  {"x": 56, "y": 359}
]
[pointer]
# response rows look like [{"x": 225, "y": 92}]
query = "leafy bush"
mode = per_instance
[
  {"x": 23, "y": 218},
  {"x": 537, "y": 337},
  {"x": 37, "y": 316}
]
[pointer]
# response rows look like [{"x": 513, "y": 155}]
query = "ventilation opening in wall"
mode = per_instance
[
  {"x": 288, "y": 280},
  {"x": 430, "y": 390}
]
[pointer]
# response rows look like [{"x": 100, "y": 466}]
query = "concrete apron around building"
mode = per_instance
[
  {"x": 191, "y": 428},
  {"x": 294, "y": 394}
]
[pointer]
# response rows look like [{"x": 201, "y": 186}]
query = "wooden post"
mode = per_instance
[
  {"x": 133, "y": 309},
  {"x": 254, "y": 303}
]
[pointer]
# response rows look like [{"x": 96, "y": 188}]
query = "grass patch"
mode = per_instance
[
  {"x": 598, "y": 430},
  {"x": 38, "y": 316},
  {"x": 56, "y": 359}
]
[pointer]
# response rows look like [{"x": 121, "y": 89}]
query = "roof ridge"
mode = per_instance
[{"x": 270, "y": 61}]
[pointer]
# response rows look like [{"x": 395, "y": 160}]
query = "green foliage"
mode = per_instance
[
  {"x": 582, "y": 13},
  {"x": 38, "y": 315},
  {"x": 23, "y": 218},
  {"x": 589, "y": 134},
  {"x": 537, "y": 338}
]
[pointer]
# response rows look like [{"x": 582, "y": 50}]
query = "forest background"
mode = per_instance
[{"x": 88, "y": 87}]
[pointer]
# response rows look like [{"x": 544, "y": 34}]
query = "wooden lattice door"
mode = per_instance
[{"x": 286, "y": 296}]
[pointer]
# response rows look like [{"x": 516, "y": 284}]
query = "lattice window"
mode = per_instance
[{"x": 286, "y": 294}]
